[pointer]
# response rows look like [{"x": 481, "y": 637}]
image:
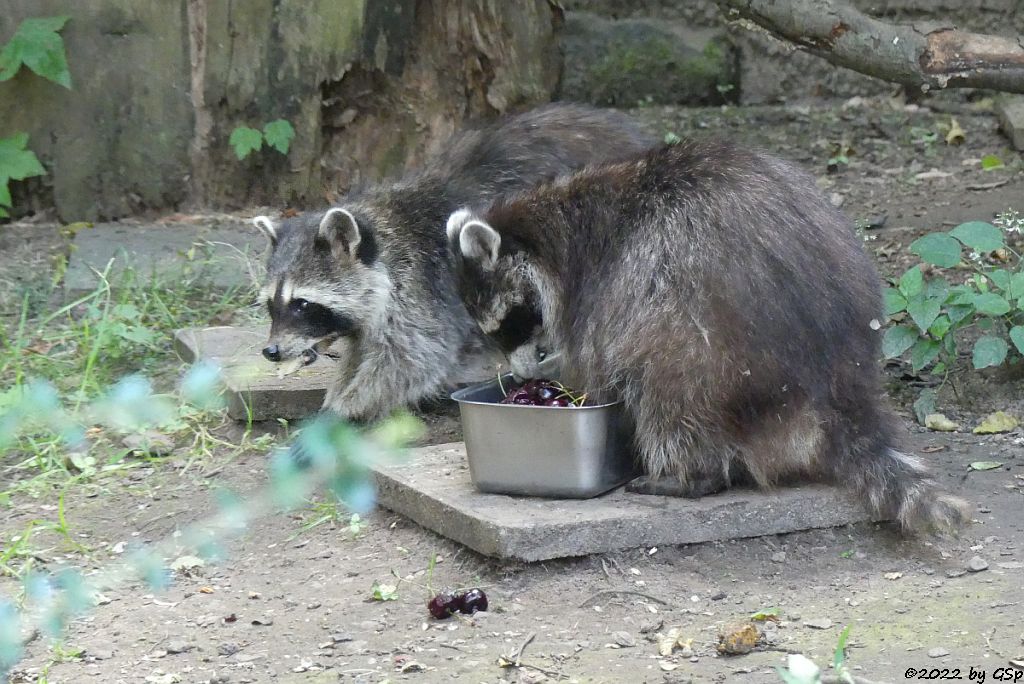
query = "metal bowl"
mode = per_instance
[{"x": 572, "y": 452}]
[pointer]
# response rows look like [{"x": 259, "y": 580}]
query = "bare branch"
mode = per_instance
[{"x": 840, "y": 34}]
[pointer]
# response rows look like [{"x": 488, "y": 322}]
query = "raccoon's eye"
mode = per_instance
[{"x": 300, "y": 304}]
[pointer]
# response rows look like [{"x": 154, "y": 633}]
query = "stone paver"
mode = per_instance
[
  {"x": 254, "y": 389},
  {"x": 219, "y": 255},
  {"x": 1010, "y": 111},
  {"x": 433, "y": 489}
]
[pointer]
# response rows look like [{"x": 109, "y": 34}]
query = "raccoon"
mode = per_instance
[
  {"x": 372, "y": 276},
  {"x": 717, "y": 293}
]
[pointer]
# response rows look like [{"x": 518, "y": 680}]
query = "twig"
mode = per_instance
[
  {"x": 604, "y": 566},
  {"x": 989, "y": 186},
  {"x": 606, "y": 592},
  {"x": 522, "y": 647}
]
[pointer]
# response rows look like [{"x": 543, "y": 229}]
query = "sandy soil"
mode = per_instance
[{"x": 292, "y": 606}]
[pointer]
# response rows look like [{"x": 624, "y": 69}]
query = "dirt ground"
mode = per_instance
[{"x": 289, "y": 605}]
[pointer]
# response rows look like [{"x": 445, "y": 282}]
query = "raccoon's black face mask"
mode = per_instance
[
  {"x": 497, "y": 290},
  {"x": 308, "y": 319}
]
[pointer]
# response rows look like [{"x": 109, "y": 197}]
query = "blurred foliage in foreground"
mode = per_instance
[{"x": 325, "y": 452}]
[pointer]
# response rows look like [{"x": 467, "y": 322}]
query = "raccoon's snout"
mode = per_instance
[{"x": 272, "y": 353}]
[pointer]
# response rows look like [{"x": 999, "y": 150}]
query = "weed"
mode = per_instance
[
  {"x": 277, "y": 134},
  {"x": 37, "y": 46},
  {"x": 928, "y": 314}
]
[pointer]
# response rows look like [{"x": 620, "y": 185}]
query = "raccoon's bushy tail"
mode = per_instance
[{"x": 898, "y": 487}]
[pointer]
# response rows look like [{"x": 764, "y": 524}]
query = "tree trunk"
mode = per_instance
[
  {"x": 840, "y": 34},
  {"x": 159, "y": 86}
]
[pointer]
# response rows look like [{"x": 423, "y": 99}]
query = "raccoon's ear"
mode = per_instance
[
  {"x": 340, "y": 230},
  {"x": 266, "y": 227},
  {"x": 479, "y": 242}
]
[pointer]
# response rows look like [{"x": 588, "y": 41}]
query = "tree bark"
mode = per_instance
[{"x": 840, "y": 34}]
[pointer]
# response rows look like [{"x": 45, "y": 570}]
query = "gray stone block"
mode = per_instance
[
  {"x": 433, "y": 489},
  {"x": 216, "y": 255},
  {"x": 1010, "y": 111},
  {"x": 634, "y": 61},
  {"x": 254, "y": 390}
]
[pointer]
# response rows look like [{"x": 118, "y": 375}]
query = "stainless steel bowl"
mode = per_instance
[{"x": 543, "y": 451}]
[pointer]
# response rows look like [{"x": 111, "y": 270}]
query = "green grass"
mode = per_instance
[{"x": 82, "y": 349}]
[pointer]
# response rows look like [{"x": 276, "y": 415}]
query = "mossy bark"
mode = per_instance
[{"x": 159, "y": 85}]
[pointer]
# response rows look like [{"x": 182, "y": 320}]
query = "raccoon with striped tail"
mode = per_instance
[
  {"x": 373, "y": 273},
  {"x": 715, "y": 291}
]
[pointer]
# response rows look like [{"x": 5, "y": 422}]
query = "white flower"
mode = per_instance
[{"x": 803, "y": 668}]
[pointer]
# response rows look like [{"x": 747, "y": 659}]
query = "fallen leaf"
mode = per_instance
[
  {"x": 985, "y": 465},
  {"x": 892, "y": 575},
  {"x": 940, "y": 423},
  {"x": 384, "y": 592},
  {"x": 999, "y": 421},
  {"x": 205, "y": 590},
  {"x": 771, "y": 614},
  {"x": 739, "y": 639},
  {"x": 932, "y": 449},
  {"x": 667, "y": 642},
  {"x": 956, "y": 133}
]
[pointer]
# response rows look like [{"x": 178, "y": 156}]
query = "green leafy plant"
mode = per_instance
[
  {"x": 276, "y": 134},
  {"x": 37, "y": 45},
  {"x": 17, "y": 162},
  {"x": 802, "y": 670},
  {"x": 927, "y": 315}
]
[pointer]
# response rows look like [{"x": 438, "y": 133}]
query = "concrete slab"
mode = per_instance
[
  {"x": 254, "y": 389},
  {"x": 433, "y": 489},
  {"x": 215, "y": 254},
  {"x": 1010, "y": 111}
]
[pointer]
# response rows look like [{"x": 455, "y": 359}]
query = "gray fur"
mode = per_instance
[
  {"x": 393, "y": 279},
  {"x": 715, "y": 291}
]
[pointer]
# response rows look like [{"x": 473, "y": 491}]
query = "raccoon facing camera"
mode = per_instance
[
  {"x": 720, "y": 296},
  {"x": 371, "y": 280}
]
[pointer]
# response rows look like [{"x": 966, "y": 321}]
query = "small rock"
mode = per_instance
[
  {"x": 779, "y": 557},
  {"x": 228, "y": 648},
  {"x": 836, "y": 199},
  {"x": 977, "y": 564},
  {"x": 818, "y": 623},
  {"x": 1011, "y": 565},
  {"x": 179, "y": 646},
  {"x": 955, "y": 573},
  {"x": 624, "y": 639},
  {"x": 937, "y": 652},
  {"x": 718, "y": 596},
  {"x": 651, "y": 626},
  {"x": 100, "y": 653},
  {"x": 149, "y": 443}
]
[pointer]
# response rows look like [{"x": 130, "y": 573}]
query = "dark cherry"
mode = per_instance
[
  {"x": 560, "y": 402},
  {"x": 548, "y": 392},
  {"x": 472, "y": 601},
  {"x": 443, "y": 605}
]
